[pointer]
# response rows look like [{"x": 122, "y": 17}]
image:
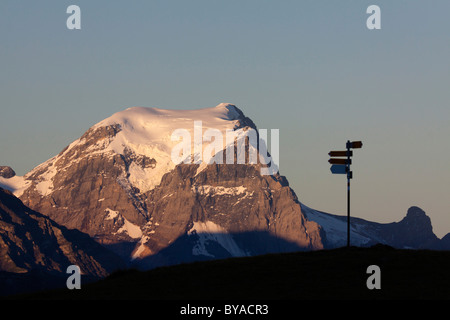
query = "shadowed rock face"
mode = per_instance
[
  {"x": 31, "y": 241},
  {"x": 6, "y": 172},
  {"x": 227, "y": 200},
  {"x": 414, "y": 230}
]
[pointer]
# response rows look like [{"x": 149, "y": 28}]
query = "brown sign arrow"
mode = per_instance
[
  {"x": 340, "y": 153},
  {"x": 340, "y": 161},
  {"x": 355, "y": 145}
]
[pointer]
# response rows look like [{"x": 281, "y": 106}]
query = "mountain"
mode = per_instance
[
  {"x": 119, "y": 184},
  {"x": 30, "y": 241},
  {"x": 414, "y": 231}
]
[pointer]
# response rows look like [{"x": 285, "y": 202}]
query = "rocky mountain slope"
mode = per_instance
[
  {"x": 223, "y": 211},
  {"x": 30, "y": 241}
]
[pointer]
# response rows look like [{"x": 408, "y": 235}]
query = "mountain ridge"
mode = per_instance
[
  {"x": 413, "y": 231},
  {"x": 118, "y": 184}
]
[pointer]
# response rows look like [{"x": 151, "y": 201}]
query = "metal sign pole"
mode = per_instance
[
  {"x": 348, "y": 211},
  {"x": 342, "y": 166},
  {"x": 348, "y": 194}
]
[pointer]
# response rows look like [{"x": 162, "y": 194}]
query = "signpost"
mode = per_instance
[{"x": 342, "y": 166}]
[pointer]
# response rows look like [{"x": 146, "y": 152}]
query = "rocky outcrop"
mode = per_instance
[
  {"x": 6, "y": 172},
  {"x": 31, "y": 241},
  {"x": 414, "y": 231}
]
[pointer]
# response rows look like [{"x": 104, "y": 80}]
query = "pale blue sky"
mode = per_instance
[{"x": 309, "y": 68}]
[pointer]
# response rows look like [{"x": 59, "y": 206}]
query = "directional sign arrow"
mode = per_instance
[
  {"x": 340, "y": 161},
  {"x": 338, "y": 169},
  {"x": 340, "y": 153},
  {"x": 354, "y": 145}
]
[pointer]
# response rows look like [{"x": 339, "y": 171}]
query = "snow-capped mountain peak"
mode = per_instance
[
  {"x": 139, "y": 132},
  {"x": 117, "y": 162}
]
